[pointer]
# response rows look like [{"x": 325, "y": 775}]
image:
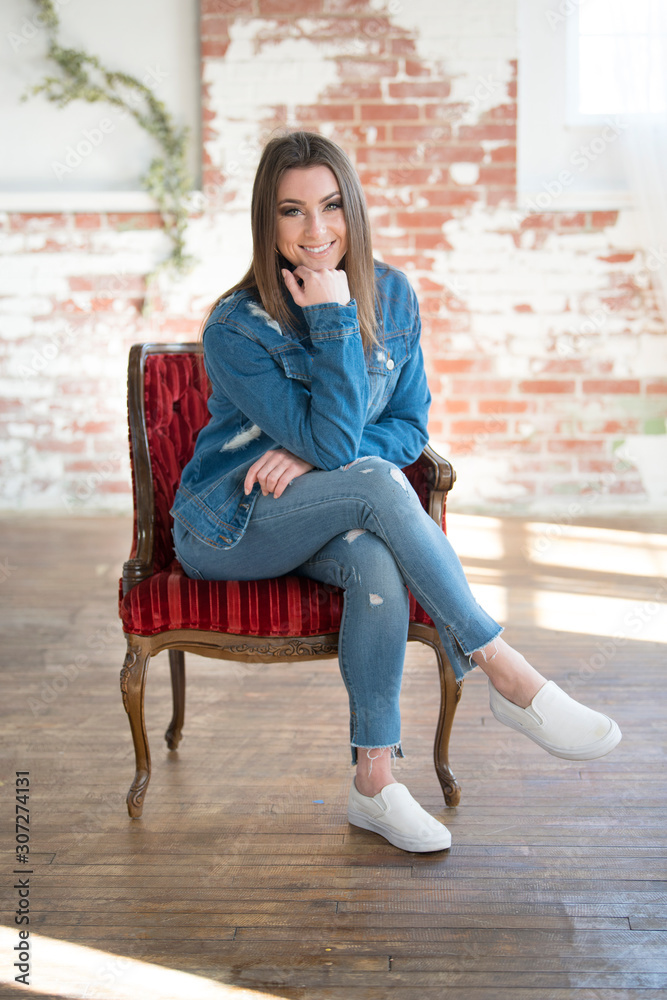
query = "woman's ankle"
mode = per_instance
[
  {"x": 509, "y": 672},
  {"x": 373, "y": 770}
]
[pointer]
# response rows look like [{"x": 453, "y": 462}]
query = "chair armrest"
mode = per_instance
[{"x": 441, "y": 478}]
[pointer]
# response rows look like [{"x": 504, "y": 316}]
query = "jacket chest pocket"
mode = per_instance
[{"x": 296, "y": 362}]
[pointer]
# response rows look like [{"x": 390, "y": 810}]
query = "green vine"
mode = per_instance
[{"x": 83, "y": 77}]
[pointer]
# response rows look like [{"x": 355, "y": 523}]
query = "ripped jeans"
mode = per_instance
[{"x": 361, "y": 528}]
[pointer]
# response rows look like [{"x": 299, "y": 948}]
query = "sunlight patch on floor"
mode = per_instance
[
  {"x": 75, "y": 972},
  {"x": 607, "y": 550}
]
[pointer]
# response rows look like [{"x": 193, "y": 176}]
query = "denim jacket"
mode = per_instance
[{"x": 311, "y": 390}]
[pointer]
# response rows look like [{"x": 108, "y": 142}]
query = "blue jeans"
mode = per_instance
[{"x": 361, "y": 528}]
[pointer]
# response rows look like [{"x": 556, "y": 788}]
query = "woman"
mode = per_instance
[{"x": 319, "y": 398}]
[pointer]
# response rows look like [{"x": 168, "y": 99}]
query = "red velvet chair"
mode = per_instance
[{"x": 264, "y": 620}]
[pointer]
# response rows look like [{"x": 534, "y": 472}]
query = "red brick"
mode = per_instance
[
  {"x": 504, "y": 154},
  {"x": 414, "y": 67},
  {"x": 537, "y": 220},
  {"x": 603, "y": 219},
  {"x": 215, "y": 26},
  {"x": 135, "y": 220},
  {"x": 524, "y": 307},
  {"x": 479, "y": 426},
  {"x": 656, "y": 388},
  {"x": 429, "y": 134},
  {"x": 497, "y": 175},
  {"x": 598, "y": 465},
  {"x": 617, "y": 258},
  {"x": 501, "y": 112},
  {"x": 452, "y": 365},
  {"x": 456, "y": 196},
  {"x": 409, "y": 91},
  {"x": 480, "y": 387},
  {"x": 431, "y": 241},
  {"x": 579, "y": 446},
  {"x": 571, "y": 220},
  {"x": 80, "y": 284},
  {"x": 67, "y": 447},
  {"x": 213, "y": 48},
  {"x": 275, "y": 8},
  {"x": 111, "y": 486},
  {"x": 387, "y": 112},
  {"x": 419, "y": 220},
  {"x": 429, "y": 304},
  {"x": 93, "y": 427},
  {"x": 36, "y": 221},
  {"x": 548, "y": 386},
  {"x": 403, "y": 47},
  {"x": 87, "y": 220},
  {"x": 230, "y": 7},
  {"x": 567, "y": 365},
  {"x": 325, "y": 112},
  {"x": 456, "y": 406},
  {"x": 346, "y": 6},
  {"x": 502, "y": 406},
  {"x": 602, "y": 386}
]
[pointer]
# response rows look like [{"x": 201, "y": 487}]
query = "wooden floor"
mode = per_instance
[{"x": 243, "y": 878}]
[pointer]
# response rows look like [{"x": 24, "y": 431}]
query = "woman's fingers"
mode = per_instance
[
  {"x": 274, "y": 471},
  {"x": 320, "y": 286}
]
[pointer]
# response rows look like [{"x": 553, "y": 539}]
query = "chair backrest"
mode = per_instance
[{"x": 167, "y": 396}]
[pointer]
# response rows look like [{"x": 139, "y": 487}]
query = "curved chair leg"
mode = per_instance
[
  {"x": 177, "y": 666},
  {"x": 450, "y": 695},
  {"x": 132, "y": 685}
]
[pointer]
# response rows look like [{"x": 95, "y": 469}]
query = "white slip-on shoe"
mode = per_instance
[
  {"x": 562, "y": 726},
  {"x": 396, "y": 816}
]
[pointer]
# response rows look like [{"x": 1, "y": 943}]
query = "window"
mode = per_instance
[
  {"x": 569, "y": 158},
  {"x": 617, "y": 59}
]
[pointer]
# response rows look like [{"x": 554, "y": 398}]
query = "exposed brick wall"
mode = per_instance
[{"x": 537, "y": 328}]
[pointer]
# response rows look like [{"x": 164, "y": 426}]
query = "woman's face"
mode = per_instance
[{"x": 310, "y": 228}]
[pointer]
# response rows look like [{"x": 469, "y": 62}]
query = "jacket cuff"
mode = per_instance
[{"x": 329, "y": 320}]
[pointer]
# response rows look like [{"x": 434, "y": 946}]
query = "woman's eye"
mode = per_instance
[{"x": 334, "y": 204}]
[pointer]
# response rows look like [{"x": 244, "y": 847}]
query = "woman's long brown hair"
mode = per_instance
[{"x": 263, "y": 277}]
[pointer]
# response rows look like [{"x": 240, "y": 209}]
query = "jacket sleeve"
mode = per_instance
[
  {"x": 400, "y": 434},
  {"x": 322, "y": 425}
]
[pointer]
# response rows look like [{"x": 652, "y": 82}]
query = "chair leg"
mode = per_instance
[
  {"x": 132, "y": 685},
  {"x": 177, "y": 666},
  {"x": 450, "y": 695}
]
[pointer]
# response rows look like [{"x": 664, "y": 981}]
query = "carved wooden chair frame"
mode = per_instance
[{"x": 219, "y": 645}]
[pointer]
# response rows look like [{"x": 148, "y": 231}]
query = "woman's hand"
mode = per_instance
[
  {"x": 274, "y": 471},
  {"x": 325, "y": 285}
]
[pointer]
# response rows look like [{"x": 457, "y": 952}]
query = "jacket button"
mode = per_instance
[{"x": 390, "y": 364}]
